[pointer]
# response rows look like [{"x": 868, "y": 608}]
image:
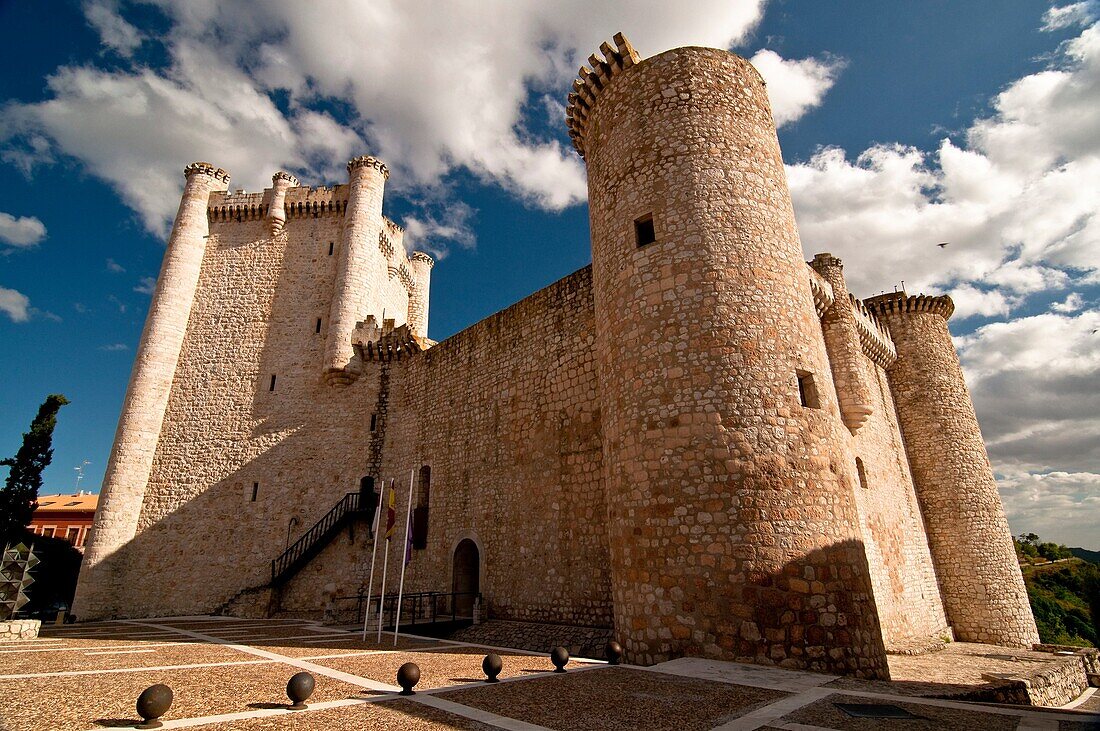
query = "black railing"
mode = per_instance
[
  {"x": 424, "y": 607},
  {"x": 314, "y": 539}
]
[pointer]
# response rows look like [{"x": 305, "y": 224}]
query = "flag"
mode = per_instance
[
  {"x": 391, "y": 514},
  {"x": 408, "y": 540}
]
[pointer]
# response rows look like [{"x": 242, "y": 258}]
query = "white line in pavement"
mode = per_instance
[
  {"x": 304, "y": 665},
  {"x": 475, "y": 714},
  {"x": 71, "y": 648},
  {"x": 64, "y": 673},
  {"x": 118, "y": 652},
  {"x": 773, "y": 711}
]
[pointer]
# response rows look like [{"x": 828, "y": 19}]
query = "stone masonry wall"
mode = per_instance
[
  {"x": 505, "y": 415},
  {"x": 201, "y": 537},
  {"x": 734, "y": 529},
  {"x": 906, "y": 592},
  {"x": 983, "y": 590}
]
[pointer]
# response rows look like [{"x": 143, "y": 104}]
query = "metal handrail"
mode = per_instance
[
  {"x": 347, "y": 504},
  {"x": 424, "y": 607}
]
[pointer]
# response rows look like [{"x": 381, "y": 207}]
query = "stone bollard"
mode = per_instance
[
  {"x": 408, "y": 675},
  {"x": 560, "y": 657},
  {"x": 492, "y": 665},
  {"x": 153, "y": 703},
  {"x": 299, "y": 688}
]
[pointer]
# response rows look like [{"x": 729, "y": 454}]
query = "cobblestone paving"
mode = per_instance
[{"x": 241, "y": 687}]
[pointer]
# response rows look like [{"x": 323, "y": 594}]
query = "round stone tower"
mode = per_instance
[
  {"x": 139, "y": 425},
  {"x": 732, "y": 526},
  {"x": 983, "y": 591},
  {"x": 352, "y": 292}
]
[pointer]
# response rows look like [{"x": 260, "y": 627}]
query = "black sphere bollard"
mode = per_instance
[
  {"x": 560, "y": 657},
  {"x": 153, "y": 703},
  {"x": 614, "y": 653},
  {"x": 492, "y": 665},
  {"x": 299, "y": 688},
  {"x": 408, "y": 675}
]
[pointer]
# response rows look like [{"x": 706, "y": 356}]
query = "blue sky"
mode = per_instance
[{"x": 903, "y": 124}]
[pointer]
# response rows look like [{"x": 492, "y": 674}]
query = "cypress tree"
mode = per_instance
[{"x": 19, "y": 496}]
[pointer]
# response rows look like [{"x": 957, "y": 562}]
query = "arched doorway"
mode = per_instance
[{"x": 466, "y": 577}]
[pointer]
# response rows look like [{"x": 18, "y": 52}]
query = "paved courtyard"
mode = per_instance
[{"x": 231, "y": 674}]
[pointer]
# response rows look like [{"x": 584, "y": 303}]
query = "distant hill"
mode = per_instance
[{"x": 1086, "y": 554}]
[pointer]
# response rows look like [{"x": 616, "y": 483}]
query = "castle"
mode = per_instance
[{"x": 699, "y": 440}]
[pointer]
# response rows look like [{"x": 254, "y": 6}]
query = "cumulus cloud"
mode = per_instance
[
  {"x": 21, "y": 232},
  {"x": 14, "y": 304},
  {"x": 114, "y": 266},
  {"x": 1015, "y": 198},
  {"x": 795, "y": 86},
  {"x": 431, "y": 88}
]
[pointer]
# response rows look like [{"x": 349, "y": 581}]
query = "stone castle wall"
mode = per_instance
[
  {"x": 698, "y": 440},
  {"x": 505, "y": 415}
]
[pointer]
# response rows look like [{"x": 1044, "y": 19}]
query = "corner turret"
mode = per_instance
[
  {"x": 971, "y": 546},
  {"x": 139, "y": 425}
]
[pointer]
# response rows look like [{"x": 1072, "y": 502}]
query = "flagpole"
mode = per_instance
[
  {"x": 385, "y": 565},
  {"x": 373, "y": 553},
  {"x": 405, "y": 555}
]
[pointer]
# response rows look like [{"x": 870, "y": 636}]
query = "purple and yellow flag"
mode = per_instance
[{"x": 391, "y": 514}]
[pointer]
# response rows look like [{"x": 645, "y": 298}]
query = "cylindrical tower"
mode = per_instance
[
  {"x": 139, "y": 425},
  {"x": 362, "y": 227},
  {"x": 276, "y": 214},
  {"x": 732, "y": 525},
  {"x": 968, "y": 535},
  {"x": 420, "y": 264},
  {"x": 842, "y": 343}
]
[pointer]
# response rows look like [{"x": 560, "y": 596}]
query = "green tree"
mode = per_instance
[{"x": 19, "y": 496}]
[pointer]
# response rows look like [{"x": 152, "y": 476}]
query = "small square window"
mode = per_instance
[
  {"x": 807, "y": 390},
  {"x": 644, "y": 231}
]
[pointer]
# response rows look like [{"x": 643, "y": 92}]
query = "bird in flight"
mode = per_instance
[{"x": 942, "y": 245}]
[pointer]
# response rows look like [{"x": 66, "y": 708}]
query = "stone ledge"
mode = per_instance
[{"x": 20, "y": 629}]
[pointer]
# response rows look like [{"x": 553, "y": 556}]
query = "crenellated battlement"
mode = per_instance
[
  {"x": 821, "y": 290},
  {"x": 369, "y": 161},
  {"x": 897, "y": 302},
  {"x": 422, "y": 257},
  {"x": 592, "y": 80},
  {"x": 205, "y": 168},
  {"x": 874, "y": 337}
]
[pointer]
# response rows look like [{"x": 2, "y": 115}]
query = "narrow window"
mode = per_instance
[
  {"x": 255, "y": 492},
  {"x": 643, "y": 230},
  {"x": 331, "y": 246},
  {"x": 420, "y": 514},
  {"x": 807, "y": 390},
  {"x": 317, "y": 329},
  {"x": 272, "y": 386},
  {"x": 373, "y": 422},
  {"x": 862, "y": 473}
]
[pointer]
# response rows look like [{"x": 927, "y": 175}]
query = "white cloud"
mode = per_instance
[
  {"x": 1034, "y": 381},
  {"x": 795, "y": 86},
  {"x": 1059, "y": 506},
  {"x": 14, "y": 304},
  {"x": 147, "y": 285},
  {"x": 1072, "y": 303},
  {"x": 1065, "y": 16},
  {"x": 114, "y": 32},
  {"x": 1017, "y": 202},
  {"x": 431, "y": 88},
  {"x": 114, "y": 347},
  {"x": 114, "y": 266},
  {"x": 21, "y": 232}
]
